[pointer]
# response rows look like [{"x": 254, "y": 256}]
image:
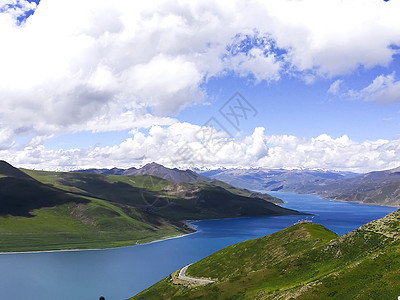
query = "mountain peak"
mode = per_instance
[
  {"x": 152, "y": 165},
  {"x": 174, "y": 175}
]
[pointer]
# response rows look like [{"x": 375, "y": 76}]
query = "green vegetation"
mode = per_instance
[
  {"x": 42, "y": 210},
  {"x": 19, "y": 196},
  {"x": 304, "y": 261},
  {"x": 97, "y": 224},
  {"x": 50, "y": 216},
  {"x": 175, "y": 201}
]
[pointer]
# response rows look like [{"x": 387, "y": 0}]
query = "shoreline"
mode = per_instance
[
  {"x": 337, "y": 200},
  {"x": 362, "y": 203},
  {"x": 188, "y": 223},
  {"x": 97, "y": 249}
]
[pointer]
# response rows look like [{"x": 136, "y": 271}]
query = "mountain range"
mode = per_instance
[
  {"x": 274, "y": 179},
  {"x": 154, "y": 169},
  {"x": 378, "y": 188}
]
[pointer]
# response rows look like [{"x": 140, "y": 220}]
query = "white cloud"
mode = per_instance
[
  {"x": 81, "y": 62},
  {"x": 163, "y": 144},
  {"x": 6, "y": 136},
  {"x": 16, "y": 8},
  {"x": 335, "y": 87},
  {"x": 383, "y": 89}
]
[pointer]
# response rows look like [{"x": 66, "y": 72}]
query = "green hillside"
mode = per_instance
[
  {"x": 176, "y": 201},
  {"x": 37, "y": 216},
  {"x": 304, "y": 261}
]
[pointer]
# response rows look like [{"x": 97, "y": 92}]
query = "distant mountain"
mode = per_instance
[
  {"x": 153, "y": 169},
  {"x": 304, "y": 261},
  {"x": 377, "y": 188},
  {"x": 274, "y": 179}
]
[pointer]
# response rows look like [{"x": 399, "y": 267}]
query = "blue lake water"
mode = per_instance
[{"x": 123, "y": 272}]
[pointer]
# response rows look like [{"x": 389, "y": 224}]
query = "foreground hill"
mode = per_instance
[
  {"x": 303, "y": 261},
  {"x": 176, "y": 201},
  {"x": 37, "y": 216}
]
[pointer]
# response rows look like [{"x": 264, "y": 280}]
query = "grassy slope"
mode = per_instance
[
  {"x": 175, "y": 201},
  {"x": 97, "y": 224},
  {"x": 36, "y": 216},
  {"x": 18, "y": 197},
  {"x": 304, "y": 261}
]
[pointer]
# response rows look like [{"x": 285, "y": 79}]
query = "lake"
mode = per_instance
[{"x": 121, "y": 273}]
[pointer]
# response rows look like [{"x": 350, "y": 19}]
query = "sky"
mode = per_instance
[{"x": 200, "y": 84}]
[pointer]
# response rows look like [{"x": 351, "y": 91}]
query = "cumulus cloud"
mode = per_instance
[
  {"x": 177, "y": 145},
  {"x": 6, "y": 136},
  {"x": 80, "y": 62}
]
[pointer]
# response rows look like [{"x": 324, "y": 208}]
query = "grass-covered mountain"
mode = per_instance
[
  {"x": 42, "y": 210},
  {"x": 39, "y": 216},
  {"x": 303, "y": 261},
  {"x": 176, "y": 201}
]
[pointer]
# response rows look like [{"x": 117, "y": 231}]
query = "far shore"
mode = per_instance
[{"x": 337, "y": 200}]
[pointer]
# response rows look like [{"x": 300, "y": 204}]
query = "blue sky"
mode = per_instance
[
  {"x": 307, "y": 110},
  {"x": 122, "y": 84}
]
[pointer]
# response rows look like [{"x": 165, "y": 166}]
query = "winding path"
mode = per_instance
[{"x": 182, "y": 276}]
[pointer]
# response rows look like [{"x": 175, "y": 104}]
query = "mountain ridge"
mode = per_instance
[
  {"x": 153, "y": 169},
  {"x": 7, "y": 170},
  {"x": 178, "y": 201},
  {"x": 376, "y": 188}
]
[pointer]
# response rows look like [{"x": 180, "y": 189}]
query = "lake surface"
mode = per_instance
[{"x": 123, "y": 272}]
